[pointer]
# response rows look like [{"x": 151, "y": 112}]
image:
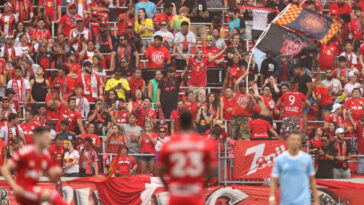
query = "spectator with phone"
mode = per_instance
[
  {"x": 119, "y": 84},
  {"x": 127, "y": 164},
  {"x": 101, "y": 118}
]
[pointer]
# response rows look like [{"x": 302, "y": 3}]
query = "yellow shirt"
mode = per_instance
[
  {"x": 113, "y": 82},
  {"x": 177, "y": 21},
  {"x": 147, "y": 23}
]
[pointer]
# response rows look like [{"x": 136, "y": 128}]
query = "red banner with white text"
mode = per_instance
[
  {"x": 255, "y": 159},
  {"x": 149, "y": 190}
]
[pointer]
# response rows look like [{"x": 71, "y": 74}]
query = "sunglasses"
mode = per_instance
[
  {"x": 163, "y": 24},
  {"x": 123, "y": 62},
  {"x": 162, "y": 131},
  {"x": 117, "y": 74},
  {"x": 121, "y": 39}
]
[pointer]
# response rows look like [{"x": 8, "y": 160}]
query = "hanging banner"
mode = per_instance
[{"x": 255, "y": 159}]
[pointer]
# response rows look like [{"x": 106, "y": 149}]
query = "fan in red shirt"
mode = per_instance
[
  {"x": 66, "y": 83},
  {"x": 335, "y": 116},
  {"x": 56, "y": 105},
  {"x": 327, "y": 56},
  {"x": 259, "y": 129},
  {"x": 120, "y": 116},
  {"x": 52, "y": 10},
  {"x": 187, "y": 163},
  {"x": 226, "y": 104},
  {"x": 158, "y": 56},
  {"x": 28, "y": 127},
  {"x": 56, "y": 150},
  {"x": 127, "y": 164},
  {"x": 125, "y": 18},
  {"x": 68, "y": 21},
  {"x": 166, "y": 15},
  {"x": 40, "y": 33},
  {"x": 323, "y": 99},
  {"x": 42, "y": 117},
  {"x": 136, "y": 81},
  {"x": 175, "y": 114},
  {"x": 340, "y": 7},
  {"x": 355, "y": 104},
  {"x": 190, "y": 103},
  {"x": 211, "y": 51},
  {"x": 292, "y": 102},
  {"x": 90, "y": 82},
  {"x": 72, "y": 116},
  {"x": 29, "y": 164},
  {"x": 91, "y": 134},
  {"x": 147, "y": 143},
  {"x": 146, "y": 113}
]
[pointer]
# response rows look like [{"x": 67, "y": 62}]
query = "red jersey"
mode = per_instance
[
  {"x": 187, "y": 156},
  {"x": 135, "y": 84},
  {"x": 55, "y": 114},
  {"x": 325, "y": 96},
  {"x": 292, "y": 103},
  {"x": 113, "y": 144},
  {"x": 28, "y": 129},
  {"x": 147, "y": 146},
  {"x": 175, "y": 114},
  {"x": 71, "y": 117},
  {"x": 51, "y": 9},
  {"x": 241, "y": 105},
  {"x": 144, "y": 115},
  {"x": 355, "y": 107},
  {"x": 121, "y": 24},
  {"x": 360, "y": 138},
  {"x": 126, "y": 162},
  {"x": 198, "y": 72},
  {"x": 259, "y": 129},
  {"x": 156, "y": 57},
  {"x": 56, "y": 154},
  {"x": 68, "y": 23},
  {"x": 22, "y": 8},
  {"x": 67, "y": 84},
  {"x": 75, "y": 68},
  {"x": 40, "y": 34},
  {"x": 2, "y": 147},
  {"x": 30, "y": 165},
  {"x": 327, "y": 56},
  {"x": 162, "y": 16},
  {"x": 40, "y": 120},
  {"x": 122, "y": 117},
  {"x": 7, "y": 23},
  {"x": 208, "y": 52},
  {"x": 192, "y": 108},
  {"x": 315, "y": 143},
  {"x": 228, "y": 105},
  {"x": 345, "y": 9},
  {"x": 333, "y": 118}
]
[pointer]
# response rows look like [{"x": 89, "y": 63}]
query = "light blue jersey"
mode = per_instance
[
  {"x": 294, "y": 173},
  {"x": 149, "y": 7}
]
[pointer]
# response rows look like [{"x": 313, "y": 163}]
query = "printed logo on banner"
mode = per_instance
[
  {"x": 4, "y": 196},
  {"x": 255, "y": 159}
]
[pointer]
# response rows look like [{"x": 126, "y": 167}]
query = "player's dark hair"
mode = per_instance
[
  {"x": 12, "y": 116},
  {"x": 40, "y": 130},
  {"x": 185, "y": 120},
  {"x": 356, "y": 89},
  {"x": 342, "y": 59},
  {"x": 294, "y": 132},
  {"x": 326, "y": 136}
]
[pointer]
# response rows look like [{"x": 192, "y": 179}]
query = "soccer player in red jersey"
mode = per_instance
[
  {"x": 29, "y": 164},
  {"x": 187, "y": 163}
]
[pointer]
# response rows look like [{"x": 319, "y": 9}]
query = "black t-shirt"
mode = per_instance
[
  {"x": 169, "y": 89},
  {"x": 101, "y": 120},
  {"x": 302, "y": 87},
  {"x": 339, "y": 147},
  {"x": 325, "y": 166},
  {"x": 126, "y": 52},
  {"x": 105, "y": 42},
  {"x": 195, "y": 7},
  {"x": 268, "y": 68}
]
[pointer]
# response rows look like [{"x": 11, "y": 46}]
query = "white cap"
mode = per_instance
[
  {"x": 7, "y": 4},
  {"x": 335, "y": 107},
  {"x": 351, "y": 74},
  {"x": 339, "y": 131}
]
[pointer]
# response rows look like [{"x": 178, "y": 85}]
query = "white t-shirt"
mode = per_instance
[
  {"x": 334, "y": 83},
  {"x": 69, "y": 157},
  {"x": 26, "y": 85},
  {"x": 4, "y": 135},
  {"x": 350, "y": 57},
  {"x": 350, "y": 87},
  {"x": 160, "y": 143},
  {"x": 179, "y": 37}
]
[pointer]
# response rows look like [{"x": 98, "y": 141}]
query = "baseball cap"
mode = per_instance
[
  {"x": 79, "y": 19},
  {"x": 8, "y": 37},
  {"x": 333, "y": 11},
  {"x": 64, "y": 122},
  {"x": 7, "y": 4},
  {"x": 339, "y": 131},
  {"x": 70, "y": 5},
  {"x": 335, "y": 107},
  {"x": 171, "y": 70},
  {"x": 220, "y": 123},
  {"x": 351, "y": 74},
  {"x": 94, "y": 13},
  {"x": 87, "y": 63},
  {"x": 103, "y": 23},
  {"x": 5, "y": 98},
  {"x": 121, "y": 104}
]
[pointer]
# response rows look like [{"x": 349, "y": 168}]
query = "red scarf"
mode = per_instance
[
  {"x": 8, "y": 56},
  {"x": 11, "y": 135},
  {"x": 19, "y": 90},
  {"x": 23, "y": 9},
  {"x": 269, "y": 103},
  {"x": 109, "y": 41},
  {"x": 124, "y": 52},
  {"x": 341, "y": 152}
]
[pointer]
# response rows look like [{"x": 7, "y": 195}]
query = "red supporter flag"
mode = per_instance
[
  {"x": 114, "y": 163},
  {"x": 255, "y": 159}
]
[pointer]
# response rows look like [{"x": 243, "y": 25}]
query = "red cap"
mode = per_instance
[
  {"x": 5, "y": 98},
  {"x": 129, "y": 25},
  {"x": 334, "y": 11},
  {"x": 103, "y": 23},
  {"x": 71, "y": 4},
  {"x": 94, "y": 13}
]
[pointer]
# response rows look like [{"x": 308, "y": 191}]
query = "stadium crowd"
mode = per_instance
[{"x": 103, "y": 73}]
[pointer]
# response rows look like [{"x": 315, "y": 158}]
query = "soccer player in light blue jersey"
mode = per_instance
[{"x": 295, "y": 171}]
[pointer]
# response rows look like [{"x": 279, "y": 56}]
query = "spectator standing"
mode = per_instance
[
  {"x": 355, "y": 105},
  {"x": 226, "y": 104},
  {"x": 147, "y": 141},
  {"x": 158, "y": 56},
  {"x": 325, "y": 159},
  {"x": 42, "y": 117},
  {"x": 168, "y": 37},
  {"x": 136, "y": 82},
  {"x": 91, "y": 134},
  {"x": 105, "y": 42},
  {"x": 352, "y": 84},
  {"x": 127, "y": 165},
  {"x": 56, "y": 150},
  {"x": 236, "y": 22},
  {"x": 11, "y": 129},
  {"x": 65, "y": 134},
  {"x": 90, "y": 82},
  {"x": 168, "y": 89},
  {"x": 20, "y": 86},
  {"x": 176, "y": 22},
  {"x": 82, "y": 104},
  {"x": 124, "y": 50},
  {"x": 79, "y": 36},
  {"x": 335, "y": 116},
  {"x": 70, "y": 161},
  {"x": 120, "y": 116},
  {"x": 101, "y": 118},
  {"x": 65, "y": 82},
  {"x": 28, "y": 127},
  {"x": 162, "y": 139},
  {"x": 235, "y": 47},
  {"x": 332, "y": 84},
  {"x": 114, "y": 139},
  {"x": 166, "y": 16},
  {"x": 341, "y": 167},
  {"x": 74, "y": 67},
  {"x": 146, "y": 113},
  {"x": 198, "y": 13},
  {"x": 260, "y": 128},
  {"x": 149, "y": 8},
  {"x": 39, "y": 87},
  {"x": 144, "y": 26},
  {"x": 243, "y": 104},
  {"x": 268, "y": 68},
  {"x": 68, "y": 21},
  {"x": 132, "y": 132},
  {"x": 153, "y": 86},
  {"x": 323, "y": 99},
  {"x": 23, "y": 9},
  {"x": 6, "y": 109},
  {"x": 124, "y": 18},
  {"x": 340, "y": 7},
  {"x": 119, "y": 84},
  {"x": 184, "y": 39},
  {"x": 7, "y": 20},
  {"x": 88, "y": 161},
  {"x": 175, "y": 114}
]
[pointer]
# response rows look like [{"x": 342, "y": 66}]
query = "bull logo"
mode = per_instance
[
  {"x": 4, "y": 200},
  {"x": 232, "y": 196}
]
